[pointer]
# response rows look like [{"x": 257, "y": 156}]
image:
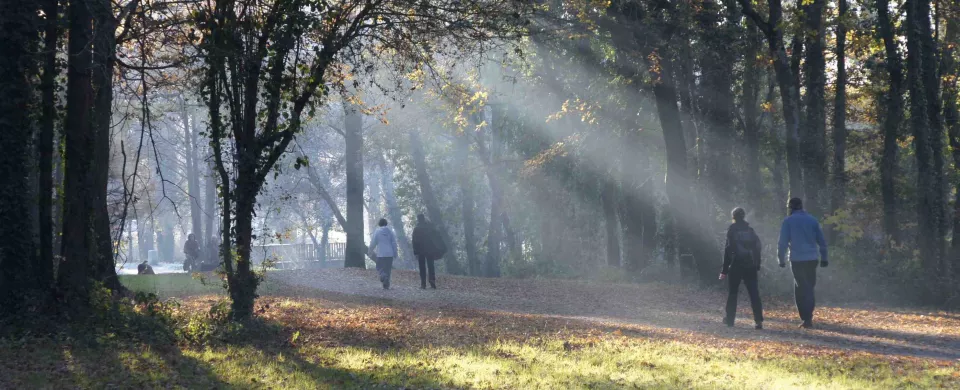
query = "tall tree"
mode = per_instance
[
  {"x": 950, "y": 71},
  {"x": 772, "y": 28},
  {"x": 838, "y": 195},
  {"x": 892, "y": 120},
  {"x": 608, "y": 202},
  {"x": 813, "y": 141},
  {"x": 79, "y": 189},
  {"x": 45, "y": 139},
  {"x": 18, "y": 61},
  {"x": 928, "y": 141},
  {"x": 431, "y": 202},
  {"x": 353, "y": 131},
  {"x": 467, "y": 204}
]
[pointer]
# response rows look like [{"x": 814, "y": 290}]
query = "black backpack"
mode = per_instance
[{"x": 744, "y": 244}]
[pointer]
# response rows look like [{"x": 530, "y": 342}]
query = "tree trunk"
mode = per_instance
[
  {"x": 395, "y": 213},
  {"x": 924, "y": 117},
  {"x": 839, "y": 193},
  {"x": 951, "y": 120},
  {"x": 44, "y": 268},
  {"x": 812, "y": 148},
  {"x": 431, "y": 202},
  {"x": 243, "y": 283},
  {"x": 17, "y": 252},
  {"x": 467, "y": 205},
  {"x": 375, "y": 195},
  {"x": 193, "y": 177},
  {"x": 495, "y": 231},
  {"x": 609, "y": 203},
  {"x": 210, "y": 205},
  {"x": 79, "y": 190},
  {"x": 638, "y": 217},
  {"x": 751, "y": 126},
  {"x": 892, "y": 118},
  {"x": 788, "y": 80},
  {"x": 718, "y": 97},
  {"x": 353, "y": 129},
  {"x": 677, "y": 180}
]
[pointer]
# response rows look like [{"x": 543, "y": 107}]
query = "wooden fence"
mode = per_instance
[{"x": 300, "y": 256}]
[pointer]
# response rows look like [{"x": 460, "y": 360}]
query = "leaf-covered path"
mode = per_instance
[{"x": 660, "y": 311}]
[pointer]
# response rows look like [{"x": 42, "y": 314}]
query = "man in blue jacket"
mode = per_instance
[{"x": 802, "y": 234}]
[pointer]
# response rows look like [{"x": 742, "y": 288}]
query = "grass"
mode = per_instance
[{"x": 309, "y": 341}]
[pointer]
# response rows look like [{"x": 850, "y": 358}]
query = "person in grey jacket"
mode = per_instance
[
  {"x": 801, "y": 233},
  {"x": 383, "y": 245}
]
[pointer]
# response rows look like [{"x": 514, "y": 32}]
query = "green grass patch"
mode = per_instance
[
  {"x": 542, "y": 363},
  {"x": 173, "y": 285}
]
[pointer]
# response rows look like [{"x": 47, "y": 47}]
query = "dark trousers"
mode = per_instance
[
  {"x": 804, "y": 279},
  {"x": 749, "y": 278},
  {"x": 384, "y": 267},
  {"x": 425, "y": 266}
]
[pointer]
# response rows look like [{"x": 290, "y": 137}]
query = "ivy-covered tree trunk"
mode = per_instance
[
  {"x": 892, "y": 120},
  {"x": 79, "y": 144},
  {"x": 105, "y": 24},
  {"x": 21, "y": 23},
  {"x": 838, "y": 195},
  {"x": 353, "y": 131}
]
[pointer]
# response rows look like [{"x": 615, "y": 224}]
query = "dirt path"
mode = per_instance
[{"x": 666, "y": 310}]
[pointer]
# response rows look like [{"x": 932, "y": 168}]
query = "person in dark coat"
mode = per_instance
[
  {"x": 191, "y": 248},
  {"x": 145, "y": 269},
  {"x": 428, "y": 246},
  {"x": 741, "y": 262}
]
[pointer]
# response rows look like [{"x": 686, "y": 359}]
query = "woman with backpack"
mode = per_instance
[{"x": 741, "y": 262}]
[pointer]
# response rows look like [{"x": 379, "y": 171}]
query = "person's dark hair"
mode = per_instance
[
  {"x": 738, "y": 214},
  {"x": 383, "y": 222},
  {"x": 795, "y": 204},
  {"x": 421, "y": 218}
]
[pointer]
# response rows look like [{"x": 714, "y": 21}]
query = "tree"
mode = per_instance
[
  {"x": 813, "y": 145},
  {"x": 891, "y": 122},
  {"x": 18, "y": 267},
  {"x": 925, "y": 121},
  {"x": 838, "y": 195},
  {"x": 772, "y": 29},
  {"x": 353, "y": 132},
  {"x": 79, "y": 139}
]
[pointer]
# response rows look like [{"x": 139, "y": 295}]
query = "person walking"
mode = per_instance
[
  {"x": 428, "y": 246},
  {"x": 741, "y": 262},
  {"x": 383, "y": 245},
  {"x": 801, "y": 233}
]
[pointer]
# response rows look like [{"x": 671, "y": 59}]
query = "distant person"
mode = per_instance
[
  {"x": 383, "y": 245},
  {"x": 145, "y": 269},
  {"x": 428, "y": 246},
  {"x": 191, "y": 248},
  {"x": 741, "y": 262},
  {"x": 802, "y": 234}
]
